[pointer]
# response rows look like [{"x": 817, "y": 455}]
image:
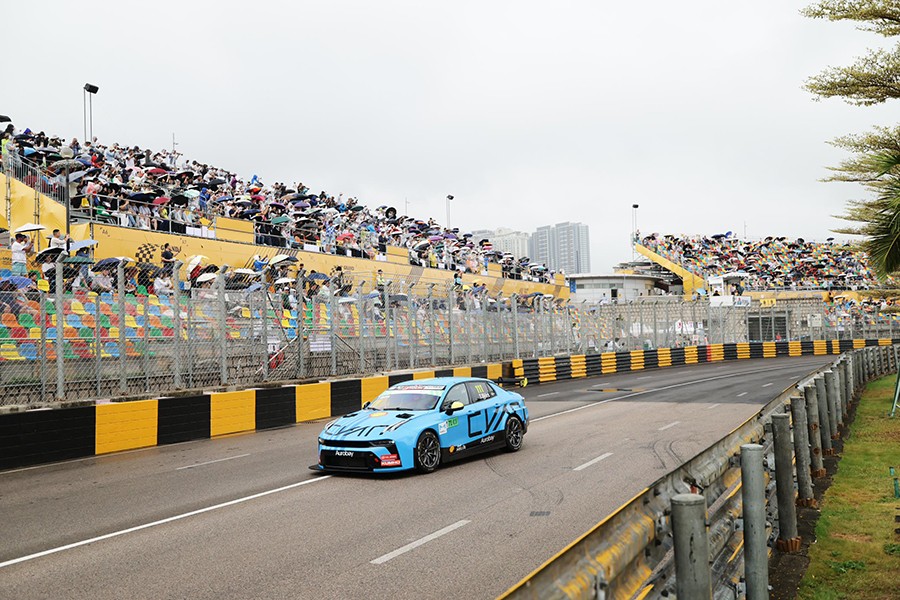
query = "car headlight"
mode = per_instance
[
  {"x": 381, "y": 443},
  {"x": 321, "y": 442}
]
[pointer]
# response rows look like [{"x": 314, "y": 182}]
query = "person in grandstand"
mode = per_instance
[{"x": 20, "y": 249}]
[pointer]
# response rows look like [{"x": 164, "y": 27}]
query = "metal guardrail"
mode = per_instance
[{"x": 632, "y": 553}]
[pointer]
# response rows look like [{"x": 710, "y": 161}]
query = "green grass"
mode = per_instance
[{"x": 857, "y": 554}]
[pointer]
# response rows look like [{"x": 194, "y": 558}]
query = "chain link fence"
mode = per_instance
[{"x": 68, "y": 347}]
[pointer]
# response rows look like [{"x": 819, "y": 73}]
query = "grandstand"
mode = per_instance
[
  {"x": 773, "y": 263},
  {"x": 263, "y": 267},
  {"x": 132, "y": 201}
]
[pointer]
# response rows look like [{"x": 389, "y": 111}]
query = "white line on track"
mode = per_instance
[
  {"x": 660, "y": 389},
  {"x": 766, "y": 384},
  {"x": 711, "y": 406},
  {"x": 672, "y": 424},
  {"x": 192, "y": 513},
  {"x": 547, "y": 394},
  {"x": 593, "y": 461},
  {"x": 645, "y": 377},
  {"x": 413, "y": 545},
  {"x": 209, "y": 462},
  {"x": 742, "y": 394}
]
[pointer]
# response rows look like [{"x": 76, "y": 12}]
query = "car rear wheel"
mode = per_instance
[
  {"x": 428, "y": 452},
  {"x": 515, "y": 433}
]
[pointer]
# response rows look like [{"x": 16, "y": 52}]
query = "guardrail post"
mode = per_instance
[
  {"x": 788, "y": 539},
  {"x": 692, "y": 573},
  {"x": 848, "y": 385},
  {"x": 514, "y": 307},
  {"x": 824, "y": 417},
  {"x": 450, "y": 301},
  {"x": 834, "y": 417},
  {"x": 801, "y": 452},
  {"x": 815, "y": 438},
  {"x": 753, "y": 498},
  {"x": 839, "y": 393}
]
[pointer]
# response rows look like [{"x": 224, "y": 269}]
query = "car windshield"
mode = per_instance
[{"x": 408, "y": 398}]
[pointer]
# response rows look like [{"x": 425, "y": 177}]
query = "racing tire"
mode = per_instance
[
  {"x": 515, "y": 433},
  {"x": 427, "y": 453}
]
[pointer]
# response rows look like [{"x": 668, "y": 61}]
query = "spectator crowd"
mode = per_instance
[
  {"x": 771, "y": 263},
  {"x": 162, "y": 191}
]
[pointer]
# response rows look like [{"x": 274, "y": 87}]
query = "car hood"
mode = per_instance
[{"x": 369, "y": 425}]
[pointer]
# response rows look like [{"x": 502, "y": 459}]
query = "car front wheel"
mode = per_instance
[
  {"x": 428, "y": 452},
  {"x": 515, "y": 433}
]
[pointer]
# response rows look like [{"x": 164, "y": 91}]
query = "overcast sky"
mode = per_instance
[{"x": 529, "y": 113}]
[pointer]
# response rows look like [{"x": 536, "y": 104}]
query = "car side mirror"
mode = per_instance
[
  {"x": 366, "y": 405},
  {"x": 455, "y": 406}
]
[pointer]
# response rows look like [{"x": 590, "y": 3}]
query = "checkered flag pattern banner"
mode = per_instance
[{"x": 146, "y": 253}]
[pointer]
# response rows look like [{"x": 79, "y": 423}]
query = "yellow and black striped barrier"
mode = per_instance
[{"x": 561, "y": 368}]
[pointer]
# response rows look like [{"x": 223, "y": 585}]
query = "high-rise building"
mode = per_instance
[
  {"x": 564, "y": 246},
  {"x": 505, "y": 240}
]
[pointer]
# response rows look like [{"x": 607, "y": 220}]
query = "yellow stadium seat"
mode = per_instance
[{"x": 9, "y": 352}]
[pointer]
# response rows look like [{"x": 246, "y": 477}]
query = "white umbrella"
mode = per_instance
[
  {"x": 194, "y": 261},
  {"x": 284, "y": 281},
  {"x": 249, "y": 272},
  {"x": 281, "y": 258},
  {"x": 207, "y": 277},
  {"x": 30, "y": 227}
]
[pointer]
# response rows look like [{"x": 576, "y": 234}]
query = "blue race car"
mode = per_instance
[{"x": 420, "y": 424}]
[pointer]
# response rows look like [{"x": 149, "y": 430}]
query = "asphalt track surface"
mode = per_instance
[{"x": 243, "y": 517}]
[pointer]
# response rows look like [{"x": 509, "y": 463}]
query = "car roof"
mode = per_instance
[{"x": 445, "y": 381}]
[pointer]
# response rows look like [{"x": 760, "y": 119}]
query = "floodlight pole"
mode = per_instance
[{"x": 87, "y": 108}]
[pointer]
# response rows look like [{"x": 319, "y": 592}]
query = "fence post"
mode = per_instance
[
  {"x": 145, "y": 355},
  {"x": 485, "y": 325},
  {"x": 264, "y": 340},
  {"x": 834, "y": 419},
  {"x": 692, "y": 573},
  {"x": 123, "y": 353},
  {"x": 514, "y": 306},
  {"x": 432, "y": 328},
  {"x": 188, "y": 329},
  {"x": 535, "y": 308},
  {"x": 299, "y": 325},
  {"x": 801, "y": 452},
  {"x": 386, "y": 308},
  {"x": 223, "y": 338},
  {"x": 410, "y": 314},
  {"x": 60, "y": 328},
  {"x": 450, "y": 299},
  {"x": 396, "y": 320},
  {"x": 753, "y": 498},
  {"x": 176, "y": 319},
  {"x": 361, "y": 327},
  {"x": 469, "y": 302},
  {"x": 824, "y": 417},
  {"x": 42, "y": 315},
  {"x": 814, "y": 433},
  {"x": 332, "y": 326},
  {"x": 788, "y": 539}
]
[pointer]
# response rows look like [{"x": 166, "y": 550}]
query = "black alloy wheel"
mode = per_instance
[
  {"x": 515, "y": 433},
  {"x": 428, "y": 452}
]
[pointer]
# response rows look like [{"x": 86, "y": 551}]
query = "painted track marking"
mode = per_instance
[
  {"x": 766, "y": 384},
  {"x": 742, "y": 394},
  {"x": 547, "y": 394},
  {"x": 711, "y": 406},
  {"x": 192, "y": 513},
  {"x": 424, "y": 540},
  {"x": 592, "y": 461},
  {"x": 672, "y": 424},
  {"x": 209, "y": 462}
]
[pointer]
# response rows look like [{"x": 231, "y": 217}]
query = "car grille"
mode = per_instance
[
  {"x": 347, "y": 443},
  {"x": 360, "y": 461}
]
